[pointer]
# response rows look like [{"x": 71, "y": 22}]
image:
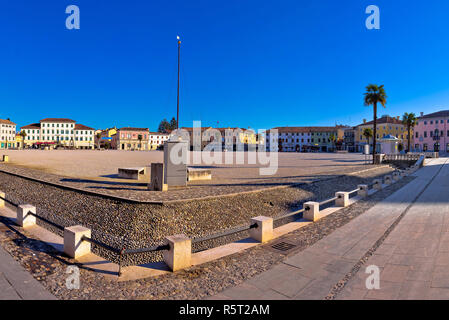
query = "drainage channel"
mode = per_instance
[{"x": 342, "y": 283}]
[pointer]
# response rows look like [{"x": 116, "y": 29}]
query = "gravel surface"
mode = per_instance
[
  {"x": 198, "y": 282},
  {"x": 98, "y": 172},
  {"x": 130, "y": 225}
]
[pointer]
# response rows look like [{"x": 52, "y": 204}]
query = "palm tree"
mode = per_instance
[
  {"x": 140, "y": 137},
  {"x": 409, "y": 120},
  {"x": 333, "y": 138},
  {"x": 368, "y": 133},
  {"x": 98, "y": 140},
  {"x": 375, "y": 94},
  {"x": 23, "y": 134}
]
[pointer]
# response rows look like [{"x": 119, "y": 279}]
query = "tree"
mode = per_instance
[
  {"x": 409, "y": 120},
  {"x": 23, "y": 134},
  {"x": 173, "y": 124},
  {"x": 368, "y": 133},
  {"x": 98, "y": 140},
  {"x": 164, "y": 126},
  {"x": 333, "y": 138},
  {"x": 375, "y": 94},
  {"x": 140, "y": 137}
]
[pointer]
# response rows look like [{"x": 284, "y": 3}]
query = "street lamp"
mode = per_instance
[{"x": 179, "y": 64}]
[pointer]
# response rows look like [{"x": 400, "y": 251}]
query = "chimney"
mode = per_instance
[
  {"x": 397, "y": 117},
  {"x": 422, "y": 114},
  {"x": 364, "y": 120}
]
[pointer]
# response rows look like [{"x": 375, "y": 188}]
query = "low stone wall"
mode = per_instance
[{"x": 130, "y": 225}]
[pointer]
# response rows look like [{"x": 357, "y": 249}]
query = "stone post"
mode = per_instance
[
  {"x": 363, "y": 190},
  {"x": 24, "y": 218},
  {"x": 157, "y": 178},
  {"x": 5, "y": 158},
  {"x": 396, "y": 176},
  {"x": 264, "y": 230},
  {"x": 179, "y": 255},
  {"x": 74, "y": 246},
  {"x": 377, "y": 184},
  {"x": 387, "y": 180},
  {"x": 342, "y": 199},
  {"x": 2, "y": 202},
  {"x": 175, "y": 163},
  {"x": 312, "y": 211}
]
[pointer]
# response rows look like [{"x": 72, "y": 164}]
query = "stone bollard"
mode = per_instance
[
  {"x": 5, "y": 158},
  {"x": 403, "y": 174},
  {"x": 2, "y": 202},
  {"x": 342, "y": 199},
  {"x": 387, "y": 180},
  {"x": 74, "y": 246},
  {"x": 264, "y": 230},
  {"x": 396, "y": 176},
  {"x": 312, "y": 211},
  {"x": 24, "y": 218},
  {"x": 363, "y": 190},
  {"x": 377, "y": 184},
  {"x": 179, "y": 255},
  {"x": 157, "y": 178}
]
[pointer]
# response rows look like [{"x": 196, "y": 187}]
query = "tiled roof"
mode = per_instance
[
  {"x": 382, "y": 121},
  {"x": 57, "y": 120},
  {"x": 444, "y": 113},
  {"x": 305, "y": 129},
  {"x": 32, "y": 126},
  {"x": 134, "y": 129},
  {"x": 159, "y": 133},
  {"x": 7, "y": 122},
  {"x": 82, "y": 127}
]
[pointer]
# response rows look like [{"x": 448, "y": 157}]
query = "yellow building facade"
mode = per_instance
[{"x": 386, "y": 125}]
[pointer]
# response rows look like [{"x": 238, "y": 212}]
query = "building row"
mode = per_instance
[
  {"x": 431, "y": 133},
  {"x": 66, "y": 133}
]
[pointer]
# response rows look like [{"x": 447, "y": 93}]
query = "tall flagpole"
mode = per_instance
[{"x": 179, "y": 64}]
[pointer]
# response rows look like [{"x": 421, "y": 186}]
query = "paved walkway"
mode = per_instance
[
  {"x": 18, "y": 284},
  {"x": 413, "y": 258}
]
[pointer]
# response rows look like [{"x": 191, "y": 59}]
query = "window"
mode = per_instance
[
  {"x": 417, "y": 134},
  {"x": 425, "y": 134}
]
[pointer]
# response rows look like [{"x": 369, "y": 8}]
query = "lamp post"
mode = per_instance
[{"x": 179, "y": 64}]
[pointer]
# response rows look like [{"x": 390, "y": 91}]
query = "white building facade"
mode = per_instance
[
  {"x": 7, "y": 134},
  {"x": 157, "y": 139},
  {"x": 63, "y": 132},
  {"x": 288, "y": 139}
]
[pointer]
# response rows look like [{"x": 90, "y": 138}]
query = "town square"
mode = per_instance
[{"x": 233, "y": 158}]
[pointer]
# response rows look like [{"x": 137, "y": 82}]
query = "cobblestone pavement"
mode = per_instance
[
  {"x": 18, "y": 284},
  {"x": 405, "y": 235},
  {"x": 49, "y": 266},
  {"x": 98, "y": 172}
]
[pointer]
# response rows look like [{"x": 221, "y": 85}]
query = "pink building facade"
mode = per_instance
[
  {"x": 432, "y": 132},
  {"x": 133, "y": 139}
]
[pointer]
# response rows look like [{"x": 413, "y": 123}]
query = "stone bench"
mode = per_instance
[
  {"x": 131, "y": 173},
  {"x": 194, "y": 174}
]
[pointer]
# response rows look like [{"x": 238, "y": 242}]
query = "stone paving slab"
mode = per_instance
[
  {"x": 327, "y": 262},
  {"x": 414, "y": 258},
  {"x": 18, "y": 284}
]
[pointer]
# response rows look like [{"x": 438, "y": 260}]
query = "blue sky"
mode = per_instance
[{"x": 245, "y": 63}]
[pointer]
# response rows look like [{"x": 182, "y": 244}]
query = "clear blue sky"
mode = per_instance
[{"x": 244, "y": 62}]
